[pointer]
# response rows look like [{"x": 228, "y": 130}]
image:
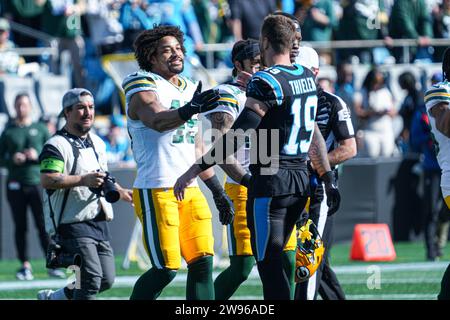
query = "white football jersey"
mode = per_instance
[
  {"x": 161, "y": 157},
  {"x": 232, "y": 101},
  {"x": 438, "y": 93}
]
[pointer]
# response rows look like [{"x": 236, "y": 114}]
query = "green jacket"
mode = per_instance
[
  {"x": 354, "y": 25},
  {"x": 17, "y": 139},
  {"x": 58, "y": 25},
  {"x": 409, "y": 20},
  {"x": 313, "y": 31},
  {"x": 23, "y": 8}
]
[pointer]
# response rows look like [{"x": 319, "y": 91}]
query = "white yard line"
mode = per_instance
[{"x": 180, "y": 279}]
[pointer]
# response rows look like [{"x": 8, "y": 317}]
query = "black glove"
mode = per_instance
[
  {"x": 225, "y": 207},
  {"x": 201, "y": 102},
  {"x": 223, "y": 203},
  {"x": 332, "y": 192}
]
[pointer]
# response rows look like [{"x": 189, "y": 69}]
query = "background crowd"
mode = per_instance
[{"x": 388, "y": 122}]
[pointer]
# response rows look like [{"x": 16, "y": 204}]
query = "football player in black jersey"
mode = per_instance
[
  {"x": 334, "y": 121},
  {"x": 281, "y": 102}
]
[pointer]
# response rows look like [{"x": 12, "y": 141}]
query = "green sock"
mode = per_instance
[
  {"x": 151, "y": 283},
  {"x": 232, "y": 277},
  {"x": 289, "y": 269},
  {"x": 199, "y": 284}
]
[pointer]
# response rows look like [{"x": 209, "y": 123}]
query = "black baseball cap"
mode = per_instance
[{"x": 245, "y": 49}]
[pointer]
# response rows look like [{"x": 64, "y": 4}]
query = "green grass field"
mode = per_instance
[{"x": 409, "y": 277}]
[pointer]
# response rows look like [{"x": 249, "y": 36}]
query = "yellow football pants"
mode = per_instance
[{"x": 173, "y": 229}]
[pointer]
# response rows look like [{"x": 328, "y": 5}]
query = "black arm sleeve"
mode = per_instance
[{"x": 231, "y": 141}]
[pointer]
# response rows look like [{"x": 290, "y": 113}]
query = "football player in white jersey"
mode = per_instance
[
  {"x": 162, "y": 108},
  {"x": 437, "y": 100},
  {"x": 245, "y": 56}
]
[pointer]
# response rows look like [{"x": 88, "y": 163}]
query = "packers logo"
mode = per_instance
[{"x": 302, "y": 274}]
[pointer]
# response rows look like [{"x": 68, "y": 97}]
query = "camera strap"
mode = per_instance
[
  {"x": 76, "y": 154},
  {"x": 93, "y": 147}
]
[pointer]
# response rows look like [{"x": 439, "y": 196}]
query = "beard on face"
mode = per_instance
[
  {"x": 82, "y": 129},
  {"x": 293, "y": 55},
  {"x": 176, "y": 70}
]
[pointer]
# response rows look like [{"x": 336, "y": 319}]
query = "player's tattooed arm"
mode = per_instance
[
  {"x": 221, "y": 122},
  {"x": 52, "y": 180},
  {"x": 318, "y": 152},
  {"x": 346, "y": 150},
  {"x": 441, "y": 112}
]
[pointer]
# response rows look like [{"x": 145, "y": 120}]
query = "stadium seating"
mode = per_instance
[
  {"x": 3, "y": 121},
  {"x": 50, "y": 90},
  {"x": 10, "y": 86}
]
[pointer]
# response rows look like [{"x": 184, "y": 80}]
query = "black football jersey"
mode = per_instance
[
  {"x": 334, "y": 120},
  {"x": 290, "y": 94}
]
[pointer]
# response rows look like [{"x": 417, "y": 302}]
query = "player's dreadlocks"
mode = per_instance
[
  {"x": 446, "y": 65},
  {"x": 146, "y": 43}
]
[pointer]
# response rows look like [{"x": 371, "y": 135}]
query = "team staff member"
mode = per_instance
[
  {"x": 161, "y": 109},
  {"x": 73, "y": 163},
  {"x": 20, "y": 145},
  {"x": 437, "y": 104},
  {"x": 276, "y": 97},
  {"x": 335, "y": 124}
]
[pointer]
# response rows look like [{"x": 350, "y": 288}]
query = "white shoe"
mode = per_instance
[
  {"x": 56, "y": 273},
  {"x": 24, "y": 274},
  {"x": 44, "y": 294}
]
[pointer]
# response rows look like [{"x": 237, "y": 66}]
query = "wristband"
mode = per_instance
[
  {"x": 203, "y": 165},
  {"x": 186, "y": 112},
  {"x": 245, "y": 181},
  {"x": 214, "y": 185},
  {"x": 328, "y": 177}
]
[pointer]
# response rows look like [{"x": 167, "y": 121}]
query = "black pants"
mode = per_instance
[
  {"x": 271, "y": 221},
  {"x": 19, "y": 200},
  {"x": 324, "y": 281}
]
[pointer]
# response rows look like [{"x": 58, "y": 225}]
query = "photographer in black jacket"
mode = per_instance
[{"x": 77, "y": 204}]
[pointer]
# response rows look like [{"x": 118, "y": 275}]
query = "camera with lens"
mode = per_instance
[
  {"x": 57, "y": 258},
  {"x": 107, "y": 189}
]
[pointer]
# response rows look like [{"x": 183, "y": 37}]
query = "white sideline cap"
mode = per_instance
[{"x": 307, "y": 57}]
